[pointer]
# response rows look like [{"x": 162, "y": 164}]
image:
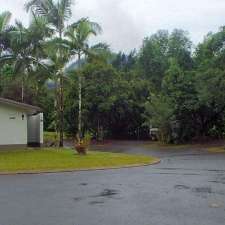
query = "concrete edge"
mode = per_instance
[
  {"x": 13, "y": 147},
  {"x": 157, "y": 161}
]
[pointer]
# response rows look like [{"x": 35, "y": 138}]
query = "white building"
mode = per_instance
[{"x": 21, "y": 124}]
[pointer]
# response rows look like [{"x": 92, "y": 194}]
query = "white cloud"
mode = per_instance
[{"x": 126, "y": 22}]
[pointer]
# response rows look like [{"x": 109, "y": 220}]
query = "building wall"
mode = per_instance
[
  {"x": 13, "y": 127},
  {"x": 35, "y": 129}
]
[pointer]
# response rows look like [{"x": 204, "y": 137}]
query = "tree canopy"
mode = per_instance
[{"x": 167, "y": 84}]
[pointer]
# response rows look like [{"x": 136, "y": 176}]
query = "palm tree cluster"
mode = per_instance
[{"x": 47, "y": 46}]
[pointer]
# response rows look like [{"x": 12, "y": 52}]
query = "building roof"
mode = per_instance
[{"x": 26, "y": 107}]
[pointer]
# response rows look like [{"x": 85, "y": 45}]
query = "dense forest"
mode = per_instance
[{"x": 168, "y": 83}]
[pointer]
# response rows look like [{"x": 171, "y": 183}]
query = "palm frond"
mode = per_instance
[
  {"x": 101, "y": 46},
  {"x": 55, "y": 12},
  {"x": 64, "y": 8},
  {"x": 78, "y": 33},
  {"x": 31, "y": 4},
  {"x": 41, "y": 63},
  {"x": 39, "y": 7},
  {"x": 40, "y": 28},
  {"x": 4, "y": 20},
  {"x": 58, "y": 50},
  {"x": 6, "y": 58},
  {"x": 74, "y": 65}
]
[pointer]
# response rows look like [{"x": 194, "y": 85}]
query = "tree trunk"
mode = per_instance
[
  {"x": 98, "y": 131},
  {"x": 80, "y": 102},
  {"x": 22, "y": 90},
  {"x": 61, "y": 105}
]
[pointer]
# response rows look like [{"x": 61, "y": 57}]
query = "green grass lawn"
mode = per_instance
[
  {"x": 203, "y": 147},
  {"x": 48, "y": 160},
  {"x": 158, "y": 145},
  {"x": 220, "y": 149},
  {"x": 50, "y": 135}
]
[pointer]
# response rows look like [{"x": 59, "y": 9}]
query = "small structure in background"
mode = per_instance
[
  {"x": 153, "y": 132},
  {"x": 21, "y": 124}
]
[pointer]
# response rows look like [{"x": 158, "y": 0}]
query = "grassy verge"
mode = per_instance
[
  {"x": 50, "y": 135},
  {"x": 158, "y": 145},
  {"x": 205, "y": 147},
  {"x": 50, "y": 139},
  {"x": 216, "y": 149},
  {"x": 49, "y": 160}
]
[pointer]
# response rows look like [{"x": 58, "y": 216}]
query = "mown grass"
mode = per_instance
[
  {"x": 216, "y": 149},
  {"x": 203, "y": 147},
  {"x": 48, "y": 160},
  {"x": 50, "y": 137},
  {"x": 159, "y": 145}
]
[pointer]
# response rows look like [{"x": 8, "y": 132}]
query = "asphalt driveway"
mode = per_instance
[{"x": 186, "y": 188}]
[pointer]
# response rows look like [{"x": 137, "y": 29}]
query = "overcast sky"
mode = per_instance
[{"x": 126, "y": 22}]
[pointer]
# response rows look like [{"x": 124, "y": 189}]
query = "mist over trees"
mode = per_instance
[{"x": 167, "y": 83}]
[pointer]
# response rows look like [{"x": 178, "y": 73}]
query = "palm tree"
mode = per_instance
[
  {"x": 22, "y": 52},
  {"x": 4, "y": 29},
  {"x": 56, "y": 13},
  {"x": 78, "y": 35},
  {"x": 4, "y": 20}
]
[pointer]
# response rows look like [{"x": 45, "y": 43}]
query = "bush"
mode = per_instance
[
  {"x": 51, "y": 139},
  {"x": 83, "y": 144}
]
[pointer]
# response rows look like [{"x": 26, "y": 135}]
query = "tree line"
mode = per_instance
[{"x": 168, "y": 83}]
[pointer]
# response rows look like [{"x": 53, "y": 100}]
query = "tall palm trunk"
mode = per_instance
[
  {"x": 61, "y": 103},
  {"x": 22, "y": 90},
  {"x": 80, "y": 100},
  {"x": 61, "y": 106},
  {"x": 56, "y": 111}
]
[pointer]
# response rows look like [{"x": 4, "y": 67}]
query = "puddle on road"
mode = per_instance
[
  {"x": 107, "y": 193},
  {"x": 172, "y": 173},
  {"x": 217, "y": 181},
  {"x": 77, "y": 199},
  {"x": 204, "y": 190},
  {"x": 83, "y": 184},
  {"x": 96, "y": 202},
  {"x": 216, "y": 205},
  {"x": 220, "y": 179},
  {"x": 200, "y": 191},
  {"x": 181, "y": 187}
]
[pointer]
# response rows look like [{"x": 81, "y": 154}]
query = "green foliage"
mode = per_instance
[
  {"x": 159, "y": 113},
  {"x": 195, "y": 96},
  {"x": 158, "y": 50},
  {"x": 166, "y": 84},
  {"x": 153, "y": 59},
  {"x": 51, "y": 139},
  {"x": 5, "y": 28},
  {"x": 113, "y": 102},
  {"x": 124, "y": 62}
]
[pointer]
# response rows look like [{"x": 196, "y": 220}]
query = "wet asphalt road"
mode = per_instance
[{"x": 186, "y": 188}]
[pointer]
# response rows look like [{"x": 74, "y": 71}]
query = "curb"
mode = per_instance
[{"x": 80, "y": 170}]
